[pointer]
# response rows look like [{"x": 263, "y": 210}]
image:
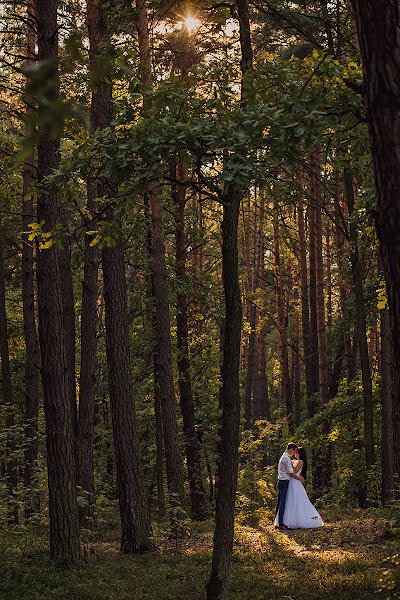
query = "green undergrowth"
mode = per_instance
[{"x": 347, "y": 559}]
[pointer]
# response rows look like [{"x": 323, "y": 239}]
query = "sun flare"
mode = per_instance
[{"x": 191, "y": 23}]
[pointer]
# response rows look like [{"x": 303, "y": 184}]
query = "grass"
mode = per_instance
[{"x": 342, "y": 561}]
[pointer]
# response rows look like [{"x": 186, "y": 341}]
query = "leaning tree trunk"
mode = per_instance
[
  {"x": 63, "y": 507},
  {"x": 164, "y": 374},
  {"x": 11, "y": 466},
  {"x": 361, "y": 325},
  {"x": 378, "y": 23},
  {"x": 32, "y": 361},
  {"x": 218, "y": 584}
]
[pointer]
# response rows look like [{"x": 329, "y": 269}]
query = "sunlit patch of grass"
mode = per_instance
[{"x": 341, "y": 561}]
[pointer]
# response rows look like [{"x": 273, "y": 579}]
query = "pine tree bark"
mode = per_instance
[
  {"x": 192, "y": 444},
  {"x": 378, "y": 23},
  {"x": 314, "y": 350},
  {"x": 159, "y": 447},
  {"x": 32, "y": 361},
  {"x": 217, "y": 588},
  {"x": 100, "y": 118},
  {"x": 11, "y": 467},
  {"x": 218, "y": 584},
  {"x": 388, "y": 448},
  {"x": 70, "y": 328},
  {"x": 319, "y": 264},
  {"x": 164, "y": 374},
  {"x": 282, "y": 324},
  {"x": 296, "y": 379},
  {"x": 63, "y": 509},
  {"x": 305, "y": 309},
  {"x": 134, "y": 510},
  {"x": 261, "y": 396},
  {"x": 250, "y": 402},
  {"x": 361, "y": 325}
]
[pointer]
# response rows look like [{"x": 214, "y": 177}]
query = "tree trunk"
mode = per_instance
[
  {"x": 100, "y": 118},
  {"x": 218, "y": 584},
  {"x": 252, "y": 371},
  {"x": 282, "y": 324},
  {"x": 32, "y": 361},
  {"x": 192, "y": 445},
  {"x": 164, "y": 375},
  {"x": 134, "y": 510},
  {"x": 314, "y": 350},
  {"x": 70, "y": 329},
  {"x": 159, "y": 448},
  {"x": 11, "y": 466},
  {"x": 378, "y": 23},
  {"x": 361, "y": 325},
  {"x": 388, "y": 448},
  {"x": 87, "y": 382},
  {"x": 217, "y": 588},
  {"x": 63, "y": 508},
  {"x": 319, "y": 264},
  {"x": 305, "y": 310},
  {"x": 296, "y": 379},
  {"x": 262, "y": 397}
]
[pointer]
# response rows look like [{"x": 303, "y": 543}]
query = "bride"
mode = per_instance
[{"x": 299, "y": 511}]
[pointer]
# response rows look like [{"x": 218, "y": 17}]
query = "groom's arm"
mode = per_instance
[{"x": 289, "y": 468}]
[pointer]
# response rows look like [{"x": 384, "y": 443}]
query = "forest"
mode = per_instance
[{"x": 199, "y": 263}]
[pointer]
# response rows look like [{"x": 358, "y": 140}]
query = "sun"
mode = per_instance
[{"x": 191, "y": 23}]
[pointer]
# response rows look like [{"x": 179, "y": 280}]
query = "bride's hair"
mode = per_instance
[{"x": 303, "y": 457}]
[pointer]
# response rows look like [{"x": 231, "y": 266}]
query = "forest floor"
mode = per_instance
[{"x": 345, "y": 560}]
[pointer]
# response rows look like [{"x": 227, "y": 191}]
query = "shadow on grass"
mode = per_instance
[{"x": 267, "y": 565}]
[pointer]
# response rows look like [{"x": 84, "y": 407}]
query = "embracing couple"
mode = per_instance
[{"x": 294, "y": 510}]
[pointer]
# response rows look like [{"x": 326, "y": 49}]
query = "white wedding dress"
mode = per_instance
[{"x": 300, "y": 513}]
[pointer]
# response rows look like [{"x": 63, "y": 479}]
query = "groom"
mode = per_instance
[{"x": 285, "y": 472}]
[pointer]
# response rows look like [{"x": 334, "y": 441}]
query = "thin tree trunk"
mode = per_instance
[
  {"x": 70, "y": 330},
  {"x": 32, "y": 361},
  {"x": 63, "y": 508},
  {"x": 164, "y": 374},
  {"x": 251, "y": 371},
  {"x": 218, "y": 584},
  {"x": 261, "y": 398},
  {"x": 11, "y": 466},
  {"x": 314, "y": 350},
  {"x": 319, "y": 265},
  {"x": 305, "y": 310},
  {"x": 159, "y": 449},
  {"x": 100, "y": 117},
  {"x": 282, "y": 324},
  {"x": 378, "y": 23},
  {"x": 361, "y": 325},
  {"x": 388, "y": 448},
  {"x": 192, "y": 445},
  {"x": 296, "y": 379},
  {"x": 217, "y": 588}
]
